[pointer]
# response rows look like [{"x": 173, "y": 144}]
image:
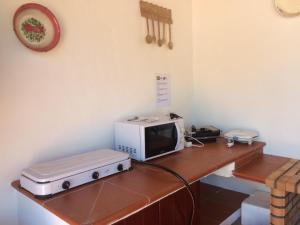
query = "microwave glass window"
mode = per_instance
[{"x": 160, "y": 139}]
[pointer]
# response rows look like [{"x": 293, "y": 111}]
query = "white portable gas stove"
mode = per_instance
[
  {"x": 242, "y": 136},
  {"x": 45, "y": 179}
]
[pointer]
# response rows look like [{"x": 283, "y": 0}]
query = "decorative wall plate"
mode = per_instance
[{"x": 36, "y": 27}]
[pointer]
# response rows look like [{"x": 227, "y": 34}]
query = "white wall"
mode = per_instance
[
  {"x": 66, "y": 101},
  {"x": 247, "y": 70}
]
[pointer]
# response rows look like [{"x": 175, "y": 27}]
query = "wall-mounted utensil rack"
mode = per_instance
[{"x": 157, "y": 18}]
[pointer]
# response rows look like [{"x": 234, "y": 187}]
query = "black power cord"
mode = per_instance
[{"x": 186, "y": 184}]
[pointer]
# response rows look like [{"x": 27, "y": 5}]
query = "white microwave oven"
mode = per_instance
[{"x": 148, "y": 138}]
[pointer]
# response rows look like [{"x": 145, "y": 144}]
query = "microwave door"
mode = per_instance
[{"x": 160, "y": 139}]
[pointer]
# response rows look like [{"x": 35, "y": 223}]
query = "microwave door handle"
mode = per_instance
[{"x": 178, "y": 135}]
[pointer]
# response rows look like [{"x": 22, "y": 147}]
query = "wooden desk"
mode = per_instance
[{"x": 117, "y": 197}]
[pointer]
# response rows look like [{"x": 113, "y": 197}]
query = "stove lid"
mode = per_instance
[{"x": 65, "y": 167}]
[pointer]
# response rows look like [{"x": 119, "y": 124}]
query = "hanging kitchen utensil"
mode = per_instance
[
  {"x": 160, "y": 41},
  {"x": 148, "y": 37},
  {"x": 164, "y": 33},
  {"x": 162, "y": 16},
  {"x": 170, "y": 44},
  {"x": 153, "y": 31}
]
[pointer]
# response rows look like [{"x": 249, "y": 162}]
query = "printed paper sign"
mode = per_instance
[{"x": 163, "y": 90}]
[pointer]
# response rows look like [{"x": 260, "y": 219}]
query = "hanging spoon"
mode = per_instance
[
  {"x": 170, "y": 44},
  {"x": 164, "y": 33},
  {"x": 160, "y": 41},
  {"x": 148, "y": 37},
  {"x": 153, "y": 32}
]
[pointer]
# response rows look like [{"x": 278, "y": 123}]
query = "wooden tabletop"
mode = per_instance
[
  {"x": 259, "y": 169},
  {"x": 118, "y": 196}
]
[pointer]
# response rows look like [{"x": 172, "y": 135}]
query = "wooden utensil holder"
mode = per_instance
[{"x": 160, "y": 15}]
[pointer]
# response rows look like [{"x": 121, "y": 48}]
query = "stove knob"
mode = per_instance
[
  {"x": 120, "y": 167},
  {"x": 95, "y": 175},
  {"x": 66, "y": 185}
]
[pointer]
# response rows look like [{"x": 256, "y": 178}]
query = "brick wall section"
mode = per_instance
[{"x": 285, "y": 194}]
